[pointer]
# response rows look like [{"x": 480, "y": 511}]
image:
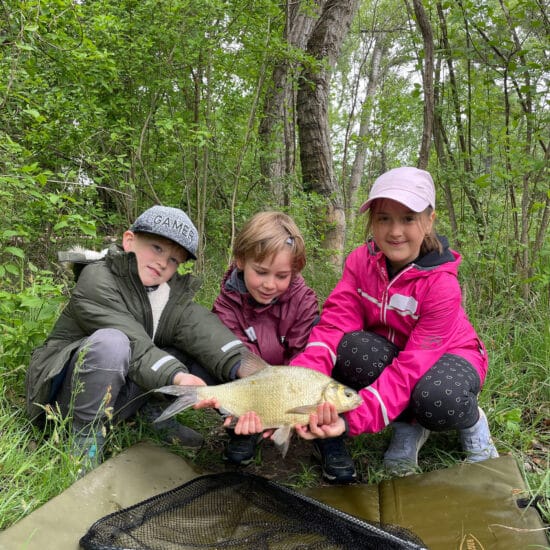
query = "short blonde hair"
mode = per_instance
[
  {"x": 268, "y": 233},
  {"x": 430, "y": 242}
]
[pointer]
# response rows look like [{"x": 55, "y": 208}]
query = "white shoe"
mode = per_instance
[
  {"x": 477, "y": 442},
  {"x": 401, "y": 457}
]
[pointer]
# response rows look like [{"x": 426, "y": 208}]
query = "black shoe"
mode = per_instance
[
  {"x": 336, "y": 462},
  {"x": 240, "y": 449},
  {"x": 171, "y": 430}
]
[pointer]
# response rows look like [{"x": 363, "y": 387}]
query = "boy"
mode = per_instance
[{"x": 109, "y": 346}]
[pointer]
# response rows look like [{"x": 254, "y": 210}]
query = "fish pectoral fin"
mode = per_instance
[
  {"x": 281, "y": 437},
  {"x": 303, "y": 409}
]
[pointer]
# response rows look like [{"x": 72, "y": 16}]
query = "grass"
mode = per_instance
[{"x": 36, "y": 465}]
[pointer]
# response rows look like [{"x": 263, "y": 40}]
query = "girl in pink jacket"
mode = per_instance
[{"x": 394, "y": 329}]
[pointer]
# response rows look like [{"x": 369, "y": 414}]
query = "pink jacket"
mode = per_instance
[
  {"x": 276, "y": 332},
  {"x": 419, "y": 310}
]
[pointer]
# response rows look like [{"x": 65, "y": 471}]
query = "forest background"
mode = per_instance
[{"x": 224, "y": 108}]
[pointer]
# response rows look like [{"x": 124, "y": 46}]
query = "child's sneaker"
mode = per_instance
[
  {"x": 240, "y": 449},
  {"x": 401, "y": 457},
  {"x": 477, "y": 442},
  {"x": 336, "y": 462},
  {"x": 88, "y": 449}
]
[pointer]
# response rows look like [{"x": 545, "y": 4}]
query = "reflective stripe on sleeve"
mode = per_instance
[
  {"x": 231, "y": 345},
  {"x": 156, "y": 366},
  {"x": 382, "y": 406},
  {"x": 323, "y": 345}
]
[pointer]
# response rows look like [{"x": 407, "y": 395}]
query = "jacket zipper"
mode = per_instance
[
  {"x": 384, "y": 309},
  {"x": 138, "y": 285}
]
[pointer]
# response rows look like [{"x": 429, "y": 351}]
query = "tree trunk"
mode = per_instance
[
  {"x": 464, "y": 147},
  {"x": 277, "y": 130},
  {"x": 312, "y": 109},
  {"x": 445, "y": 159},
  {"x": 358, "y": 166},
  {"x": 427, "y": 82}
]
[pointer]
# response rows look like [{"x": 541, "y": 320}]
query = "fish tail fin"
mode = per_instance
[
  {"x": 281, "y": 438},
  {"x": 187, "y": 397}
]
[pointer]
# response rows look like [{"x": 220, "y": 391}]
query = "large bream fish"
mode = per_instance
[{"x": 282, "y": 396}]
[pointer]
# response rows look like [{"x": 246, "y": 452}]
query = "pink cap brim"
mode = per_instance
[
  {"x": 409, "y": 186},
  {"x": 410, "y": 200}
]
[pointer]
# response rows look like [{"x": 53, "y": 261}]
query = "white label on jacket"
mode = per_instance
[
  {"x": 251, "y": 333},
  {"x": 406, "y": 305}
]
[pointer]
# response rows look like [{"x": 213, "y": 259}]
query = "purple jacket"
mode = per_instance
[
  {"x": 277, "y": 331},
  {"x": 419, "y": 310}
]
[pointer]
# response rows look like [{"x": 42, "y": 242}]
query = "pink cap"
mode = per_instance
[{"x": 410, "y": 186}]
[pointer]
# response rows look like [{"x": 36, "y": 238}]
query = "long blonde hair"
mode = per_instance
[{"x": 266, "y": 234}]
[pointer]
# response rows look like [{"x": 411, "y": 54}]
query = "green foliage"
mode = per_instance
[
  {"x": 26, "y": 318},
  {"x": 36, "y": 465},
  {"x": 107, "y": 107}
]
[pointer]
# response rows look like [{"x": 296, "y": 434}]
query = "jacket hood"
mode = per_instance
[
  {"x": 436, "y": 258},
  {"x": 120, "y": 262},
  {"x": 125, "y": 264},
  {"x": 234, "y": 281}
]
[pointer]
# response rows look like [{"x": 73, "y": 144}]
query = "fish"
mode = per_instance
[{"x": 282, "y": 396}]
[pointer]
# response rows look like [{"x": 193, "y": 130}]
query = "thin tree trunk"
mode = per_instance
[
  {"x": 312, "y": 108},
  {"x": 277, "y": 128},
  {"x": 427, "y": 82},
  {"x": 464, "y": 149},
  {"x": 358, "y": 166},
  {"x": 444, "y": 159}
]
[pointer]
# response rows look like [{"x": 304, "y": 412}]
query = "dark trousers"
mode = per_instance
[
  {"x": 96, "y": 386},
  {"x": 445, "y": 398}
]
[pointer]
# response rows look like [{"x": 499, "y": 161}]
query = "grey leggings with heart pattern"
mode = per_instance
[{"x": 445, "y": 398}]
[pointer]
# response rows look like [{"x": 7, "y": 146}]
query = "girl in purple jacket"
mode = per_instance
[
  {"x": 265, "y": 302},
  {"x": 394, "y": 329}
]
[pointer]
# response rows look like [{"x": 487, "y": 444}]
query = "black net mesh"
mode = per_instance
[{"x": 239, "y": 511}]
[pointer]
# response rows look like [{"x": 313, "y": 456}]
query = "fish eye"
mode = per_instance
[{"x": 349, "y": 392}]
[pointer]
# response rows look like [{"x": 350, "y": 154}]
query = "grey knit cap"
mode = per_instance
[{"x": 171, "y": 223}]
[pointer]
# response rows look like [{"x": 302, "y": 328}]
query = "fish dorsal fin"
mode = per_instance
[{"x": 250, "y": 364}]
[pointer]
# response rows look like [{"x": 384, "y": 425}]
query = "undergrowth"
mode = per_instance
[{"x": 36, "y": 465}]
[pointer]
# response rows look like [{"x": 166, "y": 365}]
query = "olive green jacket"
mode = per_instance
[{"x": 109, "y": 294}]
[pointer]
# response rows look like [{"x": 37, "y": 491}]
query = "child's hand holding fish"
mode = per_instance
[
  {"x": 323, "y": 423},
  {"x": 186, "y": 379}
]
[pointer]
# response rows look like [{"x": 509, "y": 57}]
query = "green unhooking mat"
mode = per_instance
[{"x": 470, "y": 507}]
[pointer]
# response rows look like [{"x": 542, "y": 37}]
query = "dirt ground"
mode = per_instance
[{"x": 297, "y": 467}]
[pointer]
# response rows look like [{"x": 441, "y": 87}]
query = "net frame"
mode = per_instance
[{"x": 238, "y": 510}]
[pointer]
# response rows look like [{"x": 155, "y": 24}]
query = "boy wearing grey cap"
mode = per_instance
[{"x": 129, "y": 323}]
